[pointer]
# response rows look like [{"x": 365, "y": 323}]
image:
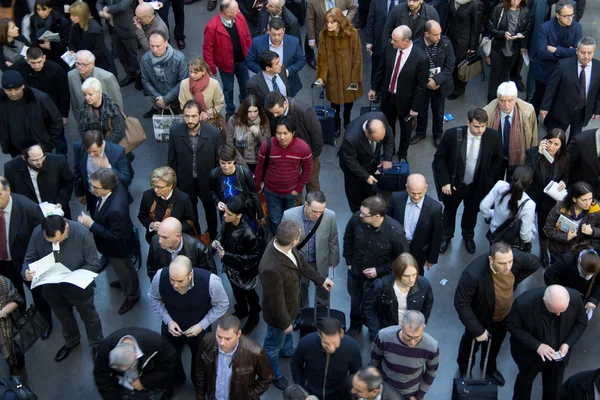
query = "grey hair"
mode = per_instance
[
  {"x": 551, "y": 291},
  {"x": 562, "y": 4},
  {"x": 586, "y": 41},
  {"x": 370, "y": 376},
  {"x": 414, "y": 319},
  {"x": 184, "y": 262},
  {"x": 315, "y": 195},
  {"x": 405, "y": 32},
  {"x": 5, "y": 183},
  {"x": 121, "y": 357},
  {"x": 507, "y": 89},
  {"x": 87, "y": 54},
  {"x": 92, "y": 83}
]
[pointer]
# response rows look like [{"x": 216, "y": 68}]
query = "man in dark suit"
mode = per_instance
[
  {"x": 413, "y": 14},
  {"x": 360, "y": 156},
  {"x": 286, "y": 46},
  {"x": 272, "y": 77},
  {"x": 483, "y": 297},
  {"x": 21, "y": 215},
  {"x": 402, "y": 81},
  {"x": 113, "y": 233},
  {"x": 440, "y": 84},
  {"x": 378, "y": 13},
  {"x": 192, "y": 155},
  {"x": 421, "y": 217},
  {"x": 544, "y": 324},
  {"x": 53, "y": 177},
  {"x": 91, "y": 153},
  {"x": 465, "y": 167},
  {"x": 572, "y": 96},
  {"x": 277, "y": 9},
  {"x": 584, "y": 159}
]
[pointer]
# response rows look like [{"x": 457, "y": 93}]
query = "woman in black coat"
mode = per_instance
[
  {"x": 392, "y": 295},
  {"x": 240, "y": 254},
  {"x": 47, "y": 19},
  {"x": 510, "y": 23},
  {"x": 165, "y": 200},
  {"x": 11, "y": 44},
  {"x": 555, "y": 144},
  {"x": 463, "y": 28}
]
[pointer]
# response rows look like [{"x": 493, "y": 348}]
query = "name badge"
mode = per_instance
[{"x": 434, "y": 71}]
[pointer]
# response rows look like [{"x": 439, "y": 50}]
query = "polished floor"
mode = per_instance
[{"x": 73, "y": 379}]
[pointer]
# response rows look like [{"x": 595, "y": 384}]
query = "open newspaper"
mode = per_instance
[{"x": 47, "y": 271}]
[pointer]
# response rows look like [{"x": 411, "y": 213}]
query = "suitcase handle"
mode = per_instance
[
  {"x": 321, "y": 96},
  {"x": 485, "y": 362},
  {"x": 315, "y": 306}
]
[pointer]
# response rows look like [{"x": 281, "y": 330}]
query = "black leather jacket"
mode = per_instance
[
  {"x": 242, "y": 250},
  {"x": 192, "y": 248},
  {"x": 244, "y": 184},
  {"x": 498, "y": 28}
]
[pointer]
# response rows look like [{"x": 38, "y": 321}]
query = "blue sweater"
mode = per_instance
[{"x": 565, "y": 40}]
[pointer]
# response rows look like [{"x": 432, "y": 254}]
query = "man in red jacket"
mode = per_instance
[{"x": 226, "y": 43}]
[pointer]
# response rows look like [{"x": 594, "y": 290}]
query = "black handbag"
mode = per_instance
[
  {"x": 510, "y": 231},
  {"x": 27, "y": 329},
  {"x": 145, "y": 394}
]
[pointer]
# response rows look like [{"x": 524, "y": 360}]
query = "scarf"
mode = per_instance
[
  {"x": 516, "y": 153},
  {"x": 458, "y": 3},
  {"x": 42, "y": 25},
  {"x": 165, "y": 57},
  {"x": 197, "y": 87},
  {"x": 88, "y": 120},
  {"x": 12, "y": 51}
]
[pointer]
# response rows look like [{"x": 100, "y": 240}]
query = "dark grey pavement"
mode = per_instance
[{"x": 72, "y": 379}]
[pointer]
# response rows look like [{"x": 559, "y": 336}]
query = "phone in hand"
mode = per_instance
[
  {"x": 219, "y": 247},
  {"x": 352, "y": 86}
]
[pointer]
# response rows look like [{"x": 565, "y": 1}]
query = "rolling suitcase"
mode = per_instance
[
  {"x": 394, "y": 179},
  {"x": 371, "y": 108},
  {"x": 13, "y": 388},
  {"x": 476, "y": 389},
  {"x": 307, "y": 322},
  {"x": 326, "y": 116}
]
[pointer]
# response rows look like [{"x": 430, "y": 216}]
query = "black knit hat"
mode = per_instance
[{"x": 12, "y": 80}]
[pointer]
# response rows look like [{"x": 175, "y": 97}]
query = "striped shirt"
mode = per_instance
[
  {"x": 411, "y": 370},
  {"x": 289, "y": 169}
]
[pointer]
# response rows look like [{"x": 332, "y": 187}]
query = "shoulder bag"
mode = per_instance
[
  {"x": 134, "y": 133},
  {"x": 509, "y": 231},
  {"x": 310, "y": 234}
]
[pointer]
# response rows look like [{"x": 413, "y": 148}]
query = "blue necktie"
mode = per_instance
[
  {"x": 275, "y": 86},
  {"x": 392, "y": 5},
  {"x": 506, "y": 135}
]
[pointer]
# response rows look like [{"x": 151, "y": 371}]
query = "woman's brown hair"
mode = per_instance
[
  {"x": 4, "y": 23},
  {"x": 198, "y": 65},
  {"x": 337, "y": 16},
  {"x": 400, "y": 264}
]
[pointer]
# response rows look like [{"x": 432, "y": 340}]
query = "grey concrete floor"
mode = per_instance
[{"x": 73, "y": 379}]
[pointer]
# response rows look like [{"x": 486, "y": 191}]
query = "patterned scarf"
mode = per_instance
[{"x": 516, "y": 152}]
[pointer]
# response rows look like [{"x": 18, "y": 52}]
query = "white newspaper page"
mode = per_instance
[
  {"x": 54, "y": 274},
  {"x": 80, "y": 277}
]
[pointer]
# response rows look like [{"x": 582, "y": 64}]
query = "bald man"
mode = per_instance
[
  {"x": 169, "y": 242},
  {"x": 421, "y": 217},
  {"x": 188, "y": 301},
  {"x": 147, "y": 21},
  {"x": 544, "y": 324},
  {"x": 360, "y": 156}
]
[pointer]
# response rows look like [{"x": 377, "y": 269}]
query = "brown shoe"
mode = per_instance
[
  {"x": 212, "y": 4},
  {"x": 181, "y": 44}
]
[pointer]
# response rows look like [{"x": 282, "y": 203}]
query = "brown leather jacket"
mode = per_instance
[{"x": 249, "y": 361}]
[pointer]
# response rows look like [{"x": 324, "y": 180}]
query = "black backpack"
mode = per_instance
[{"x": 13, "y": 389}]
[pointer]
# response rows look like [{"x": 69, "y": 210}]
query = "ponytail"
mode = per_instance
[{"x": 521, "y": 179}]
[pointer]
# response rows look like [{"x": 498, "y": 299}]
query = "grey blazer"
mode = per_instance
[
  {"x": 326, "y": 237},
  {"x": 109, "y": 83}
]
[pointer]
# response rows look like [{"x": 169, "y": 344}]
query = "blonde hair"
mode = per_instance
[
  {"x": 166, "y": 174},
  {"x": 82, "y": 11}
]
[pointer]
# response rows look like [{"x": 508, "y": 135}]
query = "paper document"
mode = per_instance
[
  {"x": 24, "y": 51},
  {"x": 50, "y": 36},
  {"x": 552, "y": 190},
  {"x": 154, "y": 4},
  {"x": 526, "y": 59},
  {"x": 51, "y": 209},
  {"x": 590, "y": 314},
  {"x": 47, "y": 271},
  {"x": 567, "y": 224},
  {"x": 68, "y": 58}
]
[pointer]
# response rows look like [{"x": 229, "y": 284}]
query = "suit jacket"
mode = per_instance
[
  {"x": 180, "y": 157},
  {"x": 293, "y": 58},
  {"x": 112, "y": 227},
  {"x": 489, "y": 163},
  {"x": 400, "y": 15},
  {"x": 315, "y": 15},
  {"x": 584, "y": 164},
  {"x": 257, "y": 85},
  {"x": 55, "y": 180},
  {"x": 562, "y": 92},
  {"x": 292, "y": 27},
  {"x": 116, "y": 158},
  {"x": 109, "y": 84},
  {"x": 527, "y": 329},
  {"x": 378, "y": 13},
  {"x": 326, "y": 238},
  {"x": 427, "y": 237},
  {"x": 475, "y": 299},
  {"x": 445, "y": 60},
  {"x": 357, "y": 159},
  {"x": 122, "y": 12},
  {"x": 24, "y": 217},
  {"x": 411, "y": 91}
]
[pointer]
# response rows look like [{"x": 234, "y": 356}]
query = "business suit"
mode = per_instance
[
  {"x": 526, "y": 326},
  {"x": 358, "y": 161},
  {"x": 119, "y": 164},
  {"x": 55, "y": 180},
  {"x": 113, "y": 234},
  {"x": 401, "y": 15},
  {"x": 257, "y": 85},
  {"x": 411, "y": 89},
  {"x": 378, "y": 13},
  {"x": 293, "y": 58},
  {"x": 450, "y": 169},
  {"x": 584, "y": 163},
  {"x": 292, "y": 27},
  {"x": 427, "y": 236},
  {"x": 180, "y": 157},
  {"x": 562, "y": 94},
  {"x": 327, "y": 249},
  {"x": 107, "y": 80}
]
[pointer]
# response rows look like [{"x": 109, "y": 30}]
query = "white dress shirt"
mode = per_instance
[
  {"x": 405, "y": 54},
  {"x": 278, "y": 50},
  {"x": 7, "y": 211},
  {"x": 280, "y": 84},
  {"x": 598, "y": 142},
  {"x": 289, "y": 254},
  {"x": 33, "y": 174},
  {"x": 473, "y": 147},
  {"x": 102, "y": 201}
]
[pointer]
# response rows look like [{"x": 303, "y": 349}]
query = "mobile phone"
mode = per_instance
[
  {"x": 219, "y": 247},
  {"x": 352, "y": 86},
  {"x": 407, "y": 118}
]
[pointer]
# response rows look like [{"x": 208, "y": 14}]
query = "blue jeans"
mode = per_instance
[
  {"x": 278, "y": 344},
  {"x": 276, "y": 205},
  {"x": 240, "y": 70}
]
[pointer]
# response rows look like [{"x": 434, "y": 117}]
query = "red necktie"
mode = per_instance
[
  {"x": 393, "y": 84},
  {"x": 3, "y": 247}
]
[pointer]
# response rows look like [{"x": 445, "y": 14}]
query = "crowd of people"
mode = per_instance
[{"x": 256, "y": 170}]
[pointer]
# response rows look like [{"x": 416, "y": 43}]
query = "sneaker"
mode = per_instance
[{"x": 281, "y": 383}]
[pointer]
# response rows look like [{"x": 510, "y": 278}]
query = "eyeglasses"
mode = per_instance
[
  {"x": 570, "y": 16},
  {"x": 160, "y": 187},
  {"x": 411, "y": 338},
  {"x": 97, "y": 188},
  {"x": 362, "y": 214},
  {"x": 79, "y": 64}
]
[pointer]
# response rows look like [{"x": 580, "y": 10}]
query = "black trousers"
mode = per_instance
[
  {"x": 469, "y": 218},
  {"x": 357, "y": 191},
  {"x": 538, "y": 96},
  {"x": 375, "y": 60},
  {"x": 126, "y": 49},
  {"x": 178, "y": 14},
  {"x": 434, "y": 97},
  {"x": 391, "y": 113},
  {"x": 309, "y": 53},
  {"x": 347, "y": 112},
  {"x": 500, "y": 71},
  {"x": 506, "y": 170},
  {"x": 498, "y": 334},
  {"x": 576, "y": 123},
  {"x": 210, "y": 209},
  {"x": 552, "y": 377},
  {"x": 178, "y": 342},
  {"x": 363, "y": 11},
  {"x": 246, "y": 300}
]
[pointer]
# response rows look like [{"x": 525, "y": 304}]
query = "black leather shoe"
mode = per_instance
[
  {"x": 312, "y": 63},
  {"x": 444, "y": 246},
  {"x": 127, "y": 81},
  {"x": 470, "y": 246},
  {"x": 116, "y": 285},
  {"x": 127, "y": 306},
  {"x": 47, "y": 332},
  {"x": 416, "y": 139},
  {"x": 63, "y": 353},
  {"x": 436, "y": 143},
  {"x": 498, "y": 377},
  {"x": 150, "y": 113},
  {"x": 520, "y": 88},
  {"x": 545, "y": 260},
  {"x": 281, "y": 383},
  {"x": 181, "y": 44},
  {"x": 455, "y": 96}
]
